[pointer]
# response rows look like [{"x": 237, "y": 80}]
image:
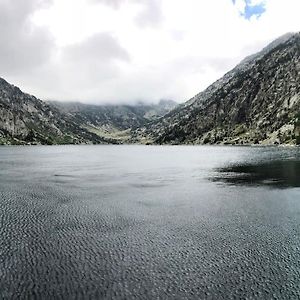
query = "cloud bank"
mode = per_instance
[{"x": 123, "y": 51}]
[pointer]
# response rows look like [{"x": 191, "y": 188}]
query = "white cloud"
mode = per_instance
[
  {"x": 240, "y": 5},
  {"x": 256, "y": 2},
  {"x": 22, "y": 45},
  {"x": 129, "y": 50}
]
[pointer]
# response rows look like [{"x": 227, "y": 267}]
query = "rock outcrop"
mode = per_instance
[{"x": 24, "y": 119}]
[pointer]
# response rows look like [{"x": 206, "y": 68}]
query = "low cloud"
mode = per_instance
[
  {"x": 101, "y": 47},
  {"x": 151, "y": 14},
  {"x": 113, "y": 3}
]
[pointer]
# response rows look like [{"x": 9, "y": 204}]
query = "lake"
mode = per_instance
[{"x": 149, "y": 222}]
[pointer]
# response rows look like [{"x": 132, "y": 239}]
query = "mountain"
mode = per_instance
[
  {"x": 24, "y": 119},
  {"x": 113, "y": 121},
  {"x": 258, "y": 102}
]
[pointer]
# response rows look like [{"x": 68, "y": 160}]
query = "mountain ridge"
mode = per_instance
[
  {"x": 114, "y": 121},
  {"x": 223, "y": 113},
  {"x": 25, "y": 119}
]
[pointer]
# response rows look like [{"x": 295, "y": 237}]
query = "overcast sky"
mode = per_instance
[{"x": 123, "y": 51}]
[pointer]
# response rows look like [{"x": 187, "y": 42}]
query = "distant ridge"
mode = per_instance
[
  {"x": 24, "y": 119},
  {"x": 114, "y": 121}
]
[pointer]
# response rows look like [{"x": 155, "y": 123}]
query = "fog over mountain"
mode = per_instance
[{"x": 24, "y": 119}]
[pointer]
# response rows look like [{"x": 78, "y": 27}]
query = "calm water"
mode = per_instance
[{"x": 135, "y": 222}]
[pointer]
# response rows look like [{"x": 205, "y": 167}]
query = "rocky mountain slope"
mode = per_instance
[
  {"x": 258, "y": 102},
  {"x": 25, "y": 119},
  {"x": 113, "y": 121}
]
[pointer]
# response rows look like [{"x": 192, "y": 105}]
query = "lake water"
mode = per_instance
[{"x": 149, "y": 222}]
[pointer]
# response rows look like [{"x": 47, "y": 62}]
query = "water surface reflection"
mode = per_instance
[{"x": 277, "y": 174}]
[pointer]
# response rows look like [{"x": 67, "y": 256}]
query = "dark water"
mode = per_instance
[{"x": 134, "y": 222}]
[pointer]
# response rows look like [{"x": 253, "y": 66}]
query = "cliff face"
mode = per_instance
[
  {"x": 25, "y": 119},
  {"x": 256, "y": 102}
]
